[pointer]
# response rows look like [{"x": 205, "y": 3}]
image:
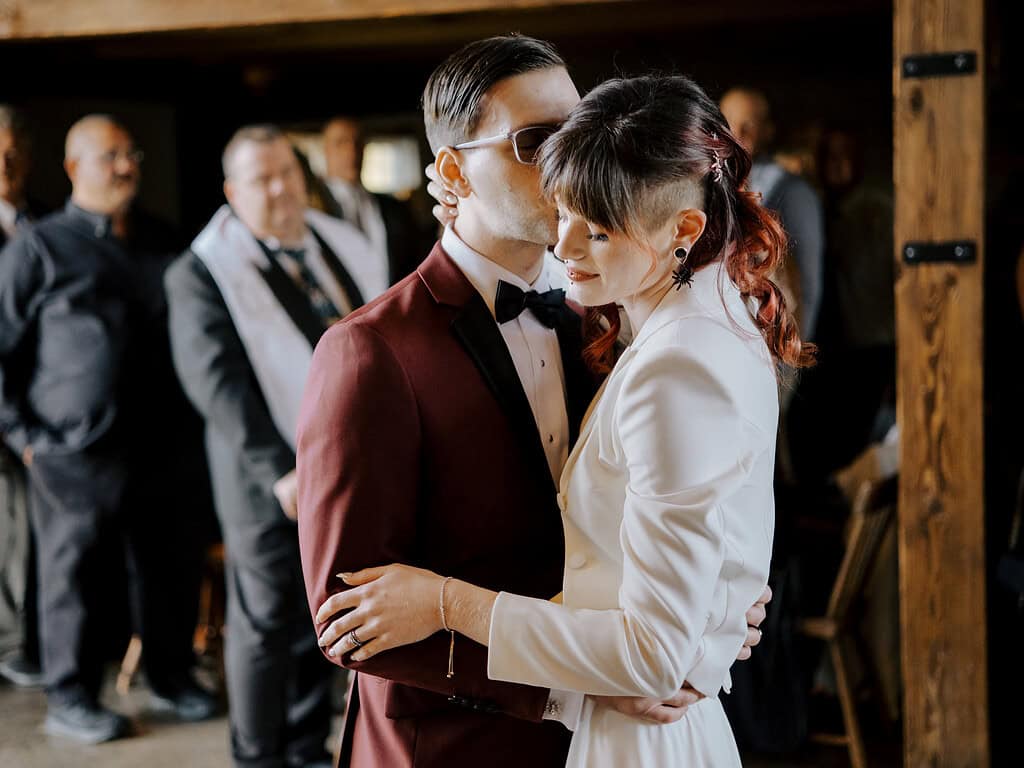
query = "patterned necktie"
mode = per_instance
[{"x": 320, "y": 301}]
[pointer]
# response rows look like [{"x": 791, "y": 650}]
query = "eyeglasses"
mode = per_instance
[
  {"x": 135, "y": 157},
  {"x": 526, "y": 142}
]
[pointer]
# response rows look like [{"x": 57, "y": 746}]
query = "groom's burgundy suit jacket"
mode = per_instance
[{"x": 417, "y": 444}]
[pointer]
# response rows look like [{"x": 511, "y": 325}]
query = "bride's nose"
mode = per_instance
[{"x": 567, "y": 248}]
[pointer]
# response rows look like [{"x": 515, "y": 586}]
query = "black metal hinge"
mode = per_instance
[
  {"x": 941, "y": 64},
  {"x": 958, "y": 252}
]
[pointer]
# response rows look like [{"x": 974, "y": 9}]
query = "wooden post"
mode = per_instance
[{"x": 939, "y": 176}]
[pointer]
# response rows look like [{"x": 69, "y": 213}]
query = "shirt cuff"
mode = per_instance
[{"x": 564, "y": 707}]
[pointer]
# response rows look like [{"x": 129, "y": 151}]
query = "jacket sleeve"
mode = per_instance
[
  {"x": 686, "y": 448},
  {"x": 216, "y": 374},
  {"x": 22, "y": 281},
  {"x": 359, "y": 475},
  {"x": 800, "y": 211}
]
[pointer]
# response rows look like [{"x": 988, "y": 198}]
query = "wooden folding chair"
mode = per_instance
[{"x": 873, "y": 507}]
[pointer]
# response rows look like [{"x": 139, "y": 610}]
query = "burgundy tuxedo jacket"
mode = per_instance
[{"x": 417, "y": 444}]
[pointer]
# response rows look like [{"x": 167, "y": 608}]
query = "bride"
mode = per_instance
[{"x": 667, "y": 496}]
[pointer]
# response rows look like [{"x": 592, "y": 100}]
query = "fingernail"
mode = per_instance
[
  {"x": 451, "y": 199},
  {"x": 356, "y": 657},
  {"x": 344, "y": 576},
  {"x": 331, "y": 652}
]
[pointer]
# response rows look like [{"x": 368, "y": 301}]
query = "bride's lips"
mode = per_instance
[{"x": 577, "y": 276}]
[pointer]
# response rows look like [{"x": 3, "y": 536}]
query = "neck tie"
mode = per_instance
[
  {"x": 510, "y": 301},
  {"x": 321, "y": 302}
]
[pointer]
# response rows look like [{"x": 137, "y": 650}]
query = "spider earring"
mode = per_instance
[{"x": 683, "y": 274}]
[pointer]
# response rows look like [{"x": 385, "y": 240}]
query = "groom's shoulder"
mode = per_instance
[{"x": 404, "y": 314}]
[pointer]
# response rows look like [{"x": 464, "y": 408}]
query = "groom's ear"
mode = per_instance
[{"x": 448, "y": 165}]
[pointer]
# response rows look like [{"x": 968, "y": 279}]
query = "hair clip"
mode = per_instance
[{"x": 716, "y": 166}]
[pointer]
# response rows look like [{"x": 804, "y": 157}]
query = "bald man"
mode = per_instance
[
  {"x": 794, "y": 200},
  {"x": 81, "y": 396}
]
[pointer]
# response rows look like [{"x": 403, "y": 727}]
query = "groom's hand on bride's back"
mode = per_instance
[
  {"x": 673, "y": 709},
  {"x": 653, "y": 710},
  {"x": 755, "y": 615}
]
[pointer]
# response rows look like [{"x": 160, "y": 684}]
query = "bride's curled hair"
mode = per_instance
[{"x": 631, "y": 151}]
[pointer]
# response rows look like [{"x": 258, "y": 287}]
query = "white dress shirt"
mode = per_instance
[
  {"x": 8, "y": 218},
  {"x": 538, "y": 360},
  {"x": 360, "y": 209},
  {"x": 372, "y": 281}
]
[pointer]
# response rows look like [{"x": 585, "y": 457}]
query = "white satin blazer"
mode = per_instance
[{"x": 668, "y": 506}]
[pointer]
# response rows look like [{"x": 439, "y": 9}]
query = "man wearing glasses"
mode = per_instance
[
  {"x": 85, "y": 391},
  {"x": 437, "y": 420}
]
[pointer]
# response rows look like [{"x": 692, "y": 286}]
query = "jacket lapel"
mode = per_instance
[
  {"x": 580, "y": 383},
  {"x": 475, "y": 328}
]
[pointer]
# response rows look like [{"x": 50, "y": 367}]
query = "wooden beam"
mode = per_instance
[
  {"x": 35, "y": 19},
  {"x": 939, "y": 175},
  {"x": 345, "y": 19}
]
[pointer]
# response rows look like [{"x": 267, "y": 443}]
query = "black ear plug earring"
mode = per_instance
[{"x": 683, "y": 274}]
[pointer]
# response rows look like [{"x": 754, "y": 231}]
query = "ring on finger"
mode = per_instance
[{"x": 354, "y": 639}]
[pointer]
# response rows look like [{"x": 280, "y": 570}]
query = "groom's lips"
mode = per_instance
[{"x": 577, "y": 276}]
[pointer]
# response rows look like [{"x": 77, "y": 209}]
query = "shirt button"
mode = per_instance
[{"x": 577, "y": 560}]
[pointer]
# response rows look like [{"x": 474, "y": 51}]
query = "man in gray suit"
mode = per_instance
[
  {"x": 793, "y": 199},
  {"x": 248, "y": 302}
]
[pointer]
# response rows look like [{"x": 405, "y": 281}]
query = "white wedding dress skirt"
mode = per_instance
[{"x": 607, "y": 739}]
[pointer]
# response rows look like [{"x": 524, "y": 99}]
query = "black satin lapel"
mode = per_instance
[
  {"x": 355, "y": 297},
  {"x": 476, "y": 330},
  {"x": 580, "y": 383},
  {"x": 293, "y": 300}
]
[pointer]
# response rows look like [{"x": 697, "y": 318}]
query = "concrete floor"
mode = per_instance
[{"x": 161, "y": 742}]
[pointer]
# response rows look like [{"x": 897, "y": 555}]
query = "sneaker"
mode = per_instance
[
  {"x": 21, "y": 672},
  {"x": 188, "y": 702},
  {"x": 85, "y": 721}
]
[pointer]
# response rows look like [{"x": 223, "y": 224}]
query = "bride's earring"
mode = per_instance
[{"x": 683, "y": 274}]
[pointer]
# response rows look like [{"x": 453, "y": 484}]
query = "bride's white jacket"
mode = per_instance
[{"x": 668, "y": 506}]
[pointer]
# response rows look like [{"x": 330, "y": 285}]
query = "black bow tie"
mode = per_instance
[{"x": 510, "y": 301}]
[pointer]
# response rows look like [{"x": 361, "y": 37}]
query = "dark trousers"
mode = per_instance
[
  {"x": 278, "y": 682},
  {"x": 164, "y": 545},
  {"x": 74, "y": 504},
  {"x": 19, "y": 626},
  {"x": 110, "y": 549}
]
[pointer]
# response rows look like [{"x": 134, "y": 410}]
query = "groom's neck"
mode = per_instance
[{"x": 521, "y": 258}]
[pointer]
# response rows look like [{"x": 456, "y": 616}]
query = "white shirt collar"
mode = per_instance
[
  {"x": 8, "y": 218},
  {"x": 308, "y": 242},
  {"x": 483, "y": 273}
]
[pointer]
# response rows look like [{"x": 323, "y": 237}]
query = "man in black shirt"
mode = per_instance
[
  {"x": 81, "y": 311},
  {"x": 19, "y": 647}
]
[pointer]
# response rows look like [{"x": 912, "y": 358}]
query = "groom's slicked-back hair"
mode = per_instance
[{"x": 451, "y": 100}]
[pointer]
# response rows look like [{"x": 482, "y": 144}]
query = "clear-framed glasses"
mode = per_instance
[
  {"x": 526, "y": 142},
  {"x": 135, "y": 156}
]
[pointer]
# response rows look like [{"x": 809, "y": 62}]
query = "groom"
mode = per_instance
[{"x": 437, "y": 419}]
